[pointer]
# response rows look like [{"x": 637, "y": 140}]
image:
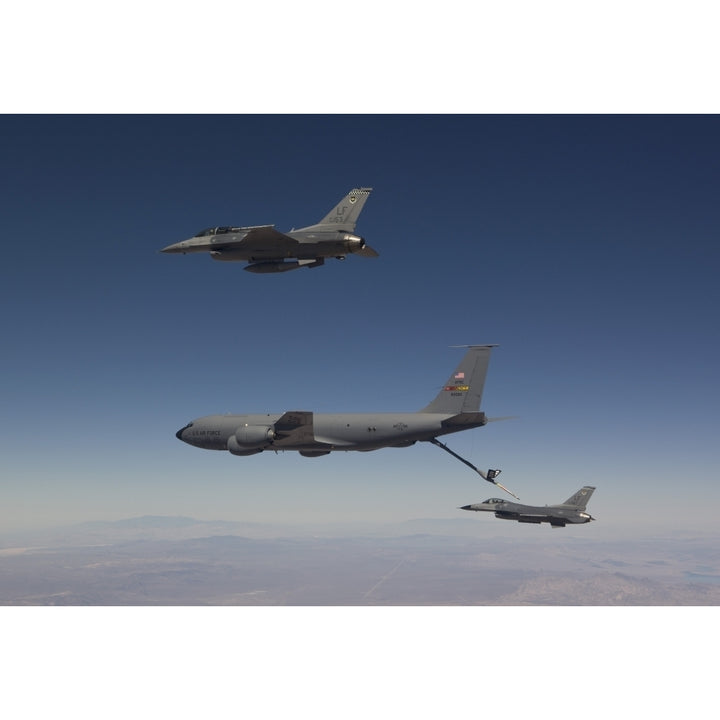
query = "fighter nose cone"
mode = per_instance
[{"x": 178, "y": 247}]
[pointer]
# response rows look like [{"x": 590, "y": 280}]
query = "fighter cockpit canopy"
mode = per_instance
[
  {"x": 494, "y": 501},
  {"x": 213, "y": 231}
]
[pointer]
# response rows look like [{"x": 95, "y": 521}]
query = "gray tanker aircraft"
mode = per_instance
[
  {"x": 455, "y": 408},
  {"x": 270, "y": 251},
  {"x": 571, "y": 511}
]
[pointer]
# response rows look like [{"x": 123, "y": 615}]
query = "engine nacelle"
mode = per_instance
[
  {"x": 253, "y": 436},
  {"x": 235, "y": 449},
  {"x": 354, "y": 243}
]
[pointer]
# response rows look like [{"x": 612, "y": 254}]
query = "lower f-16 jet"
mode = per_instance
[
  {"x": 455, "y": 408},
  {"x": 270, "y": 251},
  {"x": 571, "y": 511}
]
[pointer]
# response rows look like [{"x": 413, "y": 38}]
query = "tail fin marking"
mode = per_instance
[
  {"x": 581, "y": 498},
  {"x": 345, "y": 214},
  {"x": 464, "y": 388}
]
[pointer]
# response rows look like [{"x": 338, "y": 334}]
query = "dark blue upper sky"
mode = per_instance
[{"x": 587, "y": 247}]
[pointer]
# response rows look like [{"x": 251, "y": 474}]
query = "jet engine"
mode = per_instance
[
  {"x": 251, "y": 436},
  {"x": 356, "y": 244},
  {"x": 235, "y": 449},
  {"x": 353, "y": 243}
]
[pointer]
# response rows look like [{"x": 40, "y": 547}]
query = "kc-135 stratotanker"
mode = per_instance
[{"x": 455, "y": 408}]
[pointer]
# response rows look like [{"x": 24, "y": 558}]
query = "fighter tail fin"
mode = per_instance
[
  {"x": 345, "y": 214},
  {"x": 463, "y": 390},
  {"x": 581, "y": 498}
]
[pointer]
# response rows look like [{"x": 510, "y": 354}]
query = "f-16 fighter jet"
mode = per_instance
[
  {"x": 455, "y": 408},
  {"x": 270, "y": 251},
  {"x": 571, "y": 511}
]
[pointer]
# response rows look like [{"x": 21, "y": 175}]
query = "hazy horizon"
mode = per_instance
[{"x": 161, "y": 560}]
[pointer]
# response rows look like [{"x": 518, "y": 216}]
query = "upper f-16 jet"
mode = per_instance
[
  {"x": 455, "y": 408},
  {"x": 571, "y": 511},
  {"x": 270, "y": 251}
]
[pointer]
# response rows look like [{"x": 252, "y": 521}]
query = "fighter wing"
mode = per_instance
[
  {"x": 260, "y": 238},
  {"x": 266, "y": 238},
  {"x": 294, "y": 427}
]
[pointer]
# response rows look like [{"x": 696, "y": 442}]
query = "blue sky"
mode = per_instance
[{"x": 587, "y": 247}]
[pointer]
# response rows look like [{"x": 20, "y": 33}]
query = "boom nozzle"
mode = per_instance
[
  {"x": 502, "y": 487},
  {"x": 490, "y": 475}
]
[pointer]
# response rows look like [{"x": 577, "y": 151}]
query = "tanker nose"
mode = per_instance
[{"x": 179, "y": 433}]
